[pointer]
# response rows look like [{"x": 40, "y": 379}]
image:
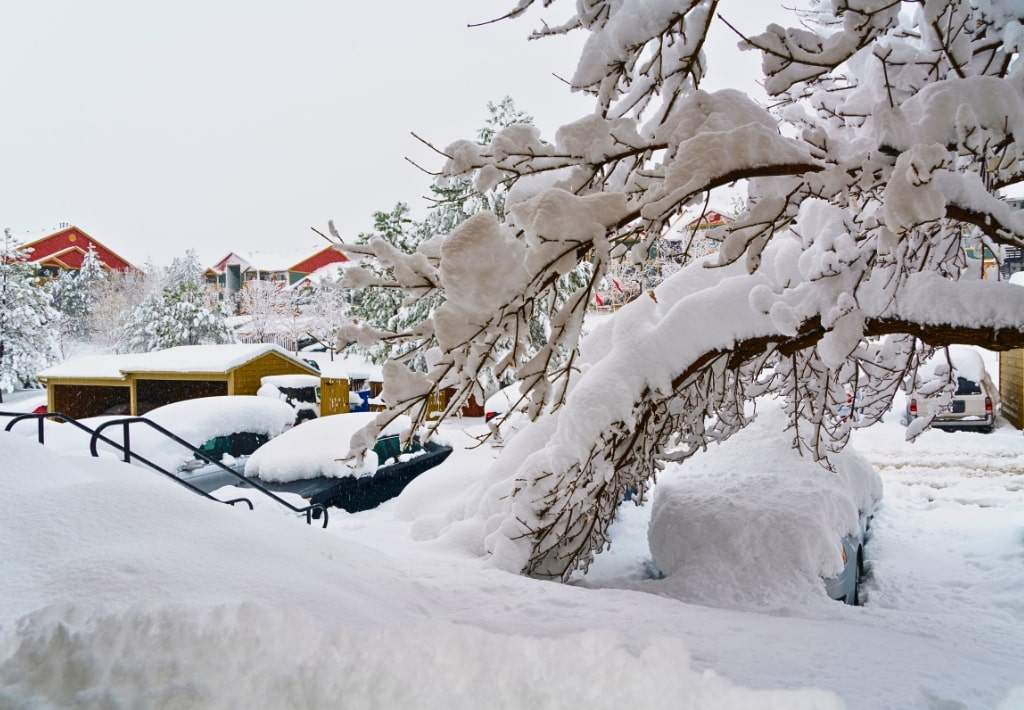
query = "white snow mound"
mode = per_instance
[
  {"x": 124, "y": 590},
  {"x": 751, "y": 523}
]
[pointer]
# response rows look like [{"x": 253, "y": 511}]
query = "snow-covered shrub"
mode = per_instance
[{"x": 842, "y": 272}]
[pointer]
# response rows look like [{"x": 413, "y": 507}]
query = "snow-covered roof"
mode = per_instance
[
  {"x": 268, "y": 259},
  {"x": 181, "y": 359},
  {"x": 92, "y": 366},
  {"x": 331, "y": 272},
  {"x": 350, "y": 368}
]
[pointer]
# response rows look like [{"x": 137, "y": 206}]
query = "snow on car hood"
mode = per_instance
[
  {"x": 318, "y": 447},
  {"x": 751, "y": 523}
]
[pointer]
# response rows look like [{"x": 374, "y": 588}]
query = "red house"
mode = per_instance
[
  {"x": 66, "y": 248},
  {"x": 235, "y": 270}
]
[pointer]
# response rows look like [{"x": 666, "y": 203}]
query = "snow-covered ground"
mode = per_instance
[
  {"x": 943, "y": 621},
  {"x": 23, "y": 400},
  {"x": 118, "y": 585}
]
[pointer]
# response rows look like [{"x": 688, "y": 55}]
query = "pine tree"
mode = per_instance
[
  {"x": 183, "y": 312},
  {"x": 74, "y": 294},
  {"x": 27, "y": 319},
  {"x": 381, "y": 307}
]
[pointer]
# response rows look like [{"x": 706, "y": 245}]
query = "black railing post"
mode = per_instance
[
  {"x": 40, "y": 434},
  {"x": 127, "y": 444}
]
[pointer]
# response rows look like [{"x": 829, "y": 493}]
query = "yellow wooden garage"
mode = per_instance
[
  {"x": 1011, "y": 386},
  {"x": 138, "y": 382}
]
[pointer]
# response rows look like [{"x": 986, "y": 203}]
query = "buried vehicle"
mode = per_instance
[
  {"x": 309, "y": 461},
  {"x": 972, "y": 405},
  {"x": 752, "y": 523}
]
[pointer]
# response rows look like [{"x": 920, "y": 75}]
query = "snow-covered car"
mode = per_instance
[
  {"x": 311, "y": 461},
  {"x": 973, "y": 402},
  {"x": 751, "y": 521},
  {"x": 300, "y": 392}
]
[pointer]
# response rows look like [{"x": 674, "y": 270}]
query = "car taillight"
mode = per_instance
[
  {"x": 913, "y": 406},
  {"x": 988, "y": 405},
  {"x": 488, "y": 416}
]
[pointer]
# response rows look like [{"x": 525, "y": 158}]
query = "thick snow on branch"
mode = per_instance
[
  {"x": 649, "y": 352},
  {"x": 876, "y": 174}
]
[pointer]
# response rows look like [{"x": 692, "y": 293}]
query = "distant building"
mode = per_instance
[
  {"x": 688, "y": 241},
  {"x": 235, "y": 269},
  {"x": 684, "y": 242},
  {"x": 65, "y": 249}
]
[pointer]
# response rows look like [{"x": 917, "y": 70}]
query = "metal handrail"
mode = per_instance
[
  {"x": 40, "y": 418},
  {"x": 128, "y": 454}
]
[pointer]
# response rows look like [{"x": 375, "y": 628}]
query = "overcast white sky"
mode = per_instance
[{"x": 237, "y": 124}]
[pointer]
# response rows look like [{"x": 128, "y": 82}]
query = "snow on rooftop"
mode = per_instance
[
  {"x": 184, "y": 358},
  {"x": 110, "y": 366},
  {"x": 350, "y": 367},
  {"x": 330, "y": 272},
  {"x": 273, "y": 259}
]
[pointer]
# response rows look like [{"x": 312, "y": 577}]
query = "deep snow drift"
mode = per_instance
[
  {"x": 118, "y": 584},
  {"x": 121, "y": 590}
]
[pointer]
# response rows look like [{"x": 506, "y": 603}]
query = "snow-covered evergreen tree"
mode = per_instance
[
  {"x": 182, "y": 312},
  {"x": 385, "y": 308},
  {"x": 28, "y": 321},
  {"x": 74, "y": 295}
]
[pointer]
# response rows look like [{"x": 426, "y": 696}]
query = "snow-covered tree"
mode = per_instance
[
  {"x": 74, "y": 295},
  {"x": 114, "y": 302},
  {"x": 265, "y": 303},
  {"x": 896, "y": 131},
  {"x": 181, "y": 312},
  {"x": 454, "y": 199},
  {"x": 28, "y": 321},
  {"x": 329, "y": 306}
]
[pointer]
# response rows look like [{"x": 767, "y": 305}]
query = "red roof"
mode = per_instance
[
  {"x": 66, "y": 249},
  {"x": 711, "y": 219},
  {"x": 327, "y": 255}
]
